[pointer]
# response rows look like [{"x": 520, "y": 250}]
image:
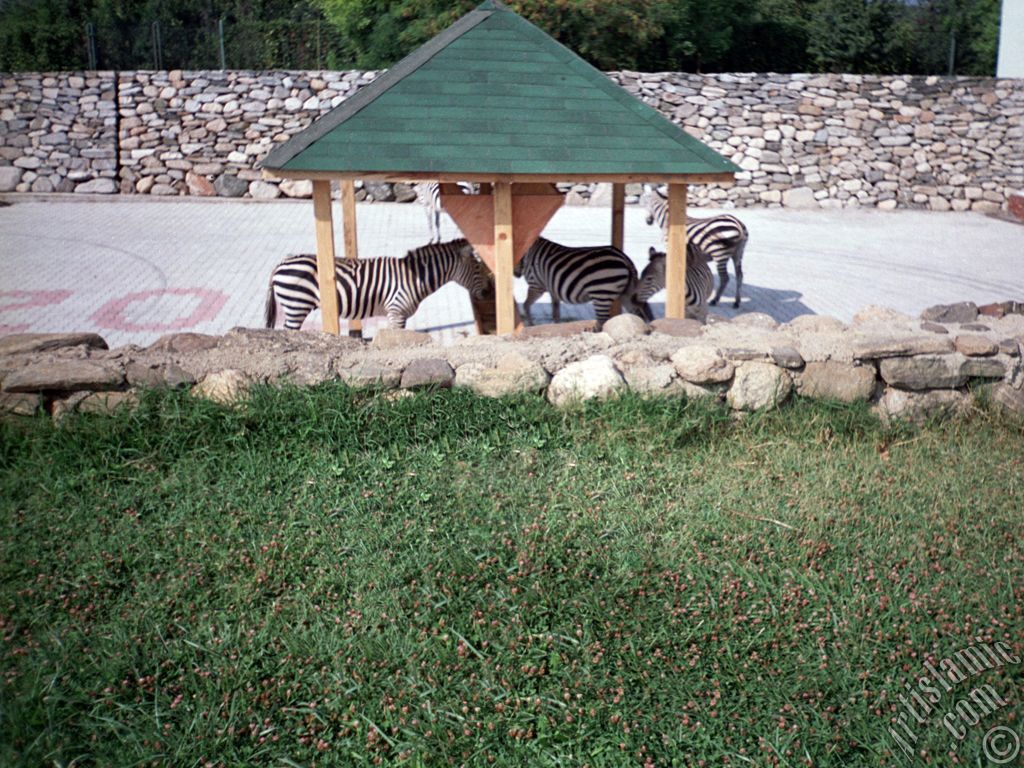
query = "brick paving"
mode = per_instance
[{"x": 135, "y": 269}]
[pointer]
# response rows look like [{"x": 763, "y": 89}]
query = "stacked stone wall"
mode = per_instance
[{"x": 801, "y": 140}]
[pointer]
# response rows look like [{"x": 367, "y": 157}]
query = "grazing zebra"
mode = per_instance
[
  {"x": 429, "y": 196},
  {"x": 718, "y": 238},
  {"x": 699, "y": 282},
  {"x": 599, "y": 274},
  {"x": 368, "y": 287}
]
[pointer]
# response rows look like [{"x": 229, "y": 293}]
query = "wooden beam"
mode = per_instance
[
  {"x": 724, "y": 179},
  {"x": 348, "y": 217},
  {"x": 505, "y": 305},
  {"x": 325, "y": 255},
  {"x": 675, "y": 265},
  {"x": 618, "y": 213}
]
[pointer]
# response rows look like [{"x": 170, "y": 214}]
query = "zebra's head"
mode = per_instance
[
  {"x": 471, "y": 273},
  {"x": 652, "y": 279}
]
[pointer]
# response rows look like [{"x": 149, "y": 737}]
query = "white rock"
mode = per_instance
[
  {"x": 595, "y": 377},
  {"x": 758, "y": 385}
]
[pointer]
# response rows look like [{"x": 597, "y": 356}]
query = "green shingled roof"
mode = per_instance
[{"x": 493, "y": 94}]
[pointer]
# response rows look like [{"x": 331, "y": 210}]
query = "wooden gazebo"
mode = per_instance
[{"x": 495, "y": 100}]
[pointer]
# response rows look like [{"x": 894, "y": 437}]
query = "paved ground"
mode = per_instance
[{"x": 134, "y": 269}]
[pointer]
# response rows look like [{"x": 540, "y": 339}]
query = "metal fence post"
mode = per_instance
[
  {"x": 157, "y": 52},
  {"x": 220, "y": 34},
  {"x": 90, "y": 45}
]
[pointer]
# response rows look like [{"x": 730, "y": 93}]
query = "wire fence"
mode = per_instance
[{"x": 222, "y": 44}]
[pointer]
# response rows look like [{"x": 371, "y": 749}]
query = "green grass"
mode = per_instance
[{"x": 324, "y": 577}]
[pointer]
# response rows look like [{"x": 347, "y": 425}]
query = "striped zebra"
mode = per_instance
[
  {"x": 600, "y": 274},
  {"x": 719, "y": 239},
  {"x": 429, "y": 196},
  {"x": 699, "y": 282},
  {"x": 368, "y": 287}
]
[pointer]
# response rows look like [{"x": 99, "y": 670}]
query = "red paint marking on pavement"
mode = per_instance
[
  {"x": 24, "y": 299},
  {"x": 112, "y": 314}
]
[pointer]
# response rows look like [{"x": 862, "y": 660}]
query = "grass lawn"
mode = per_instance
[{"x": 325, "y": 577}]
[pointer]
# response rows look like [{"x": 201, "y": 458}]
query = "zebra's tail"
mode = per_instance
[{"x": 270, "y": 311}]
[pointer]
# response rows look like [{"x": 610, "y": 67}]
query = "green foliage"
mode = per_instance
[
  {"x": 328, "y": 577},
  {"x": 867, "y": 36}
]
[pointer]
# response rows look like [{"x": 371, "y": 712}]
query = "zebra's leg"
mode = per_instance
[
  {"x": 534, "y": 293},
  {"x": 723, "y": 280},
  {"x": 602, "y": 309},
  {"x": 738, "y": 267},
  {"x": 436, "y": 226}
]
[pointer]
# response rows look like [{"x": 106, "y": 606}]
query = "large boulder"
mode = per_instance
[
  {"x": 702, "y": 365},
  {"x": 758, "y": 385},
  {"x": 898, "y": 404},
  {"x": 428, "y": 372},
  {"x": 225, "y": 387},
  {"x": 924, "y": 371},
  {"x": 837, "y": 381},
  {"x": 66, "y": 376},
  {"x": 593, "y": 378},
  {"x": 625, "y": 327},
  {"x": 514, "y": 374},
  {"x": 963, "y": 312}
]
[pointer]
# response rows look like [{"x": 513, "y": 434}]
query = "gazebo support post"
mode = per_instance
[
  {"x": 618, "y": 228},
  {"x": 504, "y": 259},
  {"x": 348, "y": 216},
  {"x": 675, "y": 266},
  {"x": 325, "y": 256}
]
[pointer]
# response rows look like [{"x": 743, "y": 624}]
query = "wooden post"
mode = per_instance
[
  {"x": 505, "y": 306},
  {"x": 675, "y": 266},
  {"x": 325, "y": 256},
  {"x": 618, "y": 230},
  {"x": 618, "y": 214},
  {"x": 348, "y": 216}
]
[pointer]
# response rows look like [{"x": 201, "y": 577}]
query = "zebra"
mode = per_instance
[
  {"x": 429, "y": 196},
  {"x": 699, "y": 282},
  {"x": 600, "y": 274},
  {"x": 718, "y": 238},
  {"x": 368, "y": 287}
]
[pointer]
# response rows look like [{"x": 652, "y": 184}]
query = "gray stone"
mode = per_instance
[
  {"x": 755, "y": 320},
  {"x": 514, "y": 374},
  {"x": 593, "y": 378},
  {"x": 65, "y": 376},
  {"x": 97, "y": 187},
  {"x": 872, "y": 347},
  {"x": 404, "y": 193},
  {"x": 1009, "y": 399},
  {"x": 652, "y": 379},
  {"x": 964, "y": 312},
  {"x": 801, "y": 198},
  {"x": 924, "y": 372},
  {"x": 107, "y": 403},
  {"x": 20, "y": 403},
  {"x": 787, "y": 357},
  {"x": 379, "y": 191},
  {"x": 682, "y": 328},
  {"x": 702, "y": 365},
  {"x": 975, "y": 327},
  {"x": 263, "y": 190},
  {"x": 933, "y": 327},
  {"x": 625, "y": 326},
  {"x": 837, "y": 381},
  {"x": 158, "y": 375},
  {"x": 184, "y": 342},
  {"x": 43, "y": 342},
  {"x": 815, "y": 324},
  {"x": 874, "y": 314},
  {"x": 225, "y": 387},
  {"x": 556, "y": 330},
  {"x": 228, "y": 185},
  {"x": 757, "y": 386},
  {"x": 9, "y": 178},
  {"x": 973, "y": 345},
  {"x": 428, "y": 372},
  {"x": 898, "y": 404},
  {"x": 400, "y": 338},
  {"x": 983, "y": 368},
  {"x": 371, "y": 374},
  {"x": 1009, "y": 347}
]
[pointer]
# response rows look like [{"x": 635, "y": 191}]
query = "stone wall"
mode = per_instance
[
  {"x": 802, "y": 140},
  {"x": 58, "y": 132},
  {"x": 907, "y": 368}
]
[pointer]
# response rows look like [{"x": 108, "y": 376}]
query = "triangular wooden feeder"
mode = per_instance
[{"x": 533, "y": 205}]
